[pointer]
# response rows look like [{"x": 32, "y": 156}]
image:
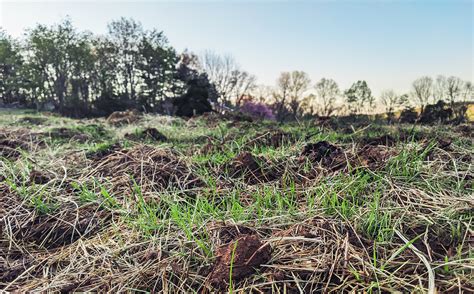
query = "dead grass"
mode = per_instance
[{"x": 254, "y": 214}]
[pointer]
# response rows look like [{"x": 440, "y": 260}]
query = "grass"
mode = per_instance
[{"x": 358, "y": 229}]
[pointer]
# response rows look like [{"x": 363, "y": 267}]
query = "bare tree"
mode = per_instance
[
  {"x": 225, "y": 73},
  {"x": 126, "y": 35},
  {"x": 327, "y": 92},
  {"x": 299, "y": 83},
  {"x": 465, "y": 94},
  {"x": 439, "y": 88},
  {"x": 262, "y": 93},
  {"x": 244, "y": 84},
  {"x": 468, "y": 91},
  {"x": 454, "y": 88},
  {"x": 358, "y": 97},
  {"x": 289, "y": 92},
  {"x": 392, "y": 101},
  {"x": 281, "y": 94},
  {"x": 422, "y": 90}
]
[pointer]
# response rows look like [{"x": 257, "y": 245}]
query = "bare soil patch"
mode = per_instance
[
  {"x": 150, "y": 168},
  {"x": 253, "y": 169},
  {"x": 99, "y": 154},
  {"x": 274, "y": 138},
  {"x": 384, "y": 140},
  {"x": 325, "y": 153},
  {"x": 151, "y": 134},
  {"x": 10, "y": 148},
  {"x": 33, "y": 120},
  {"x": 124, "y": 117},
  {"x": 243, "y": 256},
  {"x": 64, "y": 227},
  {"x": 40, "y": 177},
  {"x": 69, "y": 134}
]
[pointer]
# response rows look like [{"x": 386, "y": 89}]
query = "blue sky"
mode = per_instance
[{"x": 387, "y": 43}]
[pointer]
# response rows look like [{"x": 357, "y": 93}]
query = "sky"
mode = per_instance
[{"x": 387, "y": 43}]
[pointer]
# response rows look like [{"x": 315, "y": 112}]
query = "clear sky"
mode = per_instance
[{"x": 387, "y": 43}]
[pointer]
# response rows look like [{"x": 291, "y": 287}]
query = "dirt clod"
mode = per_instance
[
  {"x": 40, "y": 177},
  {"x": 68, "y": 133},
  {"x": 253, "y": 170},
  {"x": 97, "y": 155},
  {"x": 124, "y": 117},
  {"x": 64, "y": 227},
  {"x": 327, "y": 154},
  {"x": 10, "y": 148},
  {"x": 385, "y": 140},
  {"x": 34, "y": 120},
  {"x": 148, "y": 167},
  {"x": 147, "y": 134},
  {"x": 374, "y": 157},
  {"x": 244, "y": 255},
  {"x": 273, "y": 139}
]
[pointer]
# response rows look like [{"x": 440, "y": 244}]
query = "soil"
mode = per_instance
[
  {"x": 124, "y": 117},
  {"x": 40, "y": 177},
  {"x": 226, "y": 233},
  {"x": 97, "y": 155},
  {"x": 385, "y": 140},
  {"x": 273, "y": 139},
  {"x": 147, "y": 134},
  {"x": 66, "y": 133},
  {"x": 9, "y": 148},
  {"x": 243, "y": 255},
  {"x": 374, "y": 157},
  {"x": 64, "y": 227},
  {"x": 34, "y": 120},
  {"x": 466, "y": 130},
  {"x": 9, "y": 153},
  {"x": 211, "y": 146},
  {"x": 247, "y": 166},
  {"x": 444, "y": 143},
  {"x": 148, "y": 167},
  {"x": 325, "y": 153}
]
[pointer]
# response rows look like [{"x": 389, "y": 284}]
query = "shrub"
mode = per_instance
[
  {"x": 257, "y": 110},
  {"x": 408, "y": 115},
  {"x": 436, "y": 113}
]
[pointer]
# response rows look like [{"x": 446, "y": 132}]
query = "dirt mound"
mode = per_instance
[
  {"x": 40, "y": 177},
  {"x": 242, "y": 256},
  {"x": 325, "y": 153},
  {"x": 103, "y": 152},
  {"x": 467, "y": 130},
  {"x": 385, "y": 140},
  {"x": 64, "y": 227},
  {"x": 151, "y": 134},
  {"x": 334, "y": 158},
  {"x": 33, "y": 120},
  {"x": 69, "y": 134},
  {"x": 212, "y": 119},
  {"x": 311, "y": 249},
  {"x": 222, "y": 233},
  {"x": 274, "y": 139},
  {"x": 212, "y": 146},
  {"x": 253, "y": 170},
  {"x": 374, "y": 157},
  {"x": 13, "y": 143},
  {"x": 124, "y": 117},
  {"x": 8, "y": 152},
  {"x": 149, "y": 167},
  {"x": 10, "y": 148}
]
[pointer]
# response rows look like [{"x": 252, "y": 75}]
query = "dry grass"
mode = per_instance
[{"x": 155, "y": 217}]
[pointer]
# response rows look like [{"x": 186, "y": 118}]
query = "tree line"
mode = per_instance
[{"x": 79, "y": 74}]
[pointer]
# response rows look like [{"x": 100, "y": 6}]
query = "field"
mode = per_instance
[{"x": 215, "y": 204}]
